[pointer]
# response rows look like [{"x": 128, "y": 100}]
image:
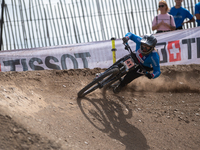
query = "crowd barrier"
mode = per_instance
[{"x": 175, "y": 48}]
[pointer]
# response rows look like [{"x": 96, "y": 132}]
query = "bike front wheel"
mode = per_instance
[{"x": 98, "y": 82}]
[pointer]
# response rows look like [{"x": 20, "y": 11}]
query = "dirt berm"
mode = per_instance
[{"x": 40, "y": 110}]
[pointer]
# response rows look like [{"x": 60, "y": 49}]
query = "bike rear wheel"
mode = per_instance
[{"x": 98, "y": 82}]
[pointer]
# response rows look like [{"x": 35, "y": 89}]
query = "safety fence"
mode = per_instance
[{"x": 34, "y": 23}]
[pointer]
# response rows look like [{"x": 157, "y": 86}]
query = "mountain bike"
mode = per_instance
[{"x": 114, "y": 73}]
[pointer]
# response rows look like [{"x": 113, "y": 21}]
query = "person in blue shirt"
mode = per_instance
[
  {"x": 146, "y": 55},
  {"x": 180, "y": 14},
  {"x": 197, "y": 13}
]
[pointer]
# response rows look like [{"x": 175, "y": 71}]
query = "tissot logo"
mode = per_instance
[
  {"x": 174, "y": 51},
  {"x": 35, "y": 63}
]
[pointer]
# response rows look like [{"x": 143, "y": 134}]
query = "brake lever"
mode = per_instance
[{"x": 126, "y": 46}]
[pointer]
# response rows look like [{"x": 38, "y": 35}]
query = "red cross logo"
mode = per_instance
[{"x": 174, "y": 50}]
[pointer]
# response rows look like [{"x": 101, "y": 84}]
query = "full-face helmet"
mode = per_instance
[{"x": 148, "y": 43}]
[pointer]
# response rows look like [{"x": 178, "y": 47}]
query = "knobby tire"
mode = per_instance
[{"x": 95, "y": 83}]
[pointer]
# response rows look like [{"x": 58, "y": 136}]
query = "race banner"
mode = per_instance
[
  {"x": 174, "y": 48},
  {"x": 179, "y": 47}
]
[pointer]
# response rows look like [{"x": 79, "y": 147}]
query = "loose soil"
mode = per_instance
[{"x": 40, "y": 110}]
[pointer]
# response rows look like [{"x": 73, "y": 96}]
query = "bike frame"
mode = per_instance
[{"x": 123, "y": 67}]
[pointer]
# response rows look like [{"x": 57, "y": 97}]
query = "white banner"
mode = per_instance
[{"x": 174, "y": 48}]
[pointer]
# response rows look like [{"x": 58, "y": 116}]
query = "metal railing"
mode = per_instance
[{"x": 31, "y": 24}]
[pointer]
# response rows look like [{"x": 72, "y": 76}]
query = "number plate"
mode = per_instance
[{"x": 129, "y": 63}]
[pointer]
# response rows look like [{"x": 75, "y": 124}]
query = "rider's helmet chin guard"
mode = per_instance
[{"x": 150, "y": 41}]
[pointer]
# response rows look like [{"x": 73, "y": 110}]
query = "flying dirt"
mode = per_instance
[{"x": 41, "y": 110}]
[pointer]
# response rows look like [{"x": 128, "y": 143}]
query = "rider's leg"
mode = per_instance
[
  {"x": 133, "y": 74},
  {"x": 130, "y": 76}
]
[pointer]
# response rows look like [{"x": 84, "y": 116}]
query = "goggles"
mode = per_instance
[{"x": 145, "y": 48}]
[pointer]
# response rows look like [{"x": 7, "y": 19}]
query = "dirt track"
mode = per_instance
[{"x": 40, "y": 110}]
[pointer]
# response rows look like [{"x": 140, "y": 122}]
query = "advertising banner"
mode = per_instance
[{"x": 174, "y": 48}]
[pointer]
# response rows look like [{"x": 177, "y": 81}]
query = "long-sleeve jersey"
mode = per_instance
[{"x": 151, "y": 60}]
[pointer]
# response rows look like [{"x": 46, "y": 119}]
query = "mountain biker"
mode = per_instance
[{"x": 146, "y": 55}]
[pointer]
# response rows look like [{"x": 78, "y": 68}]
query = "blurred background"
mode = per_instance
[{"x": 42, "y": 23}]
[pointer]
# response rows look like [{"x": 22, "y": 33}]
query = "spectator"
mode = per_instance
[
  {"x": 197, "y": 13},
  {"x": 180, "y": 14},
  {"x": 163, "y": 22}
]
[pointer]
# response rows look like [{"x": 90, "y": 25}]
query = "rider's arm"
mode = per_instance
[
  {"x": 156, "y": 65},
  {"x": 133, "y": 37}
]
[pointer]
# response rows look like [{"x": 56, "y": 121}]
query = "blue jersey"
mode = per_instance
[
  {"x": 151, "y": 60},
  {"x": 180, "y": 15},
  {"x": 197, "y": 10}
]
